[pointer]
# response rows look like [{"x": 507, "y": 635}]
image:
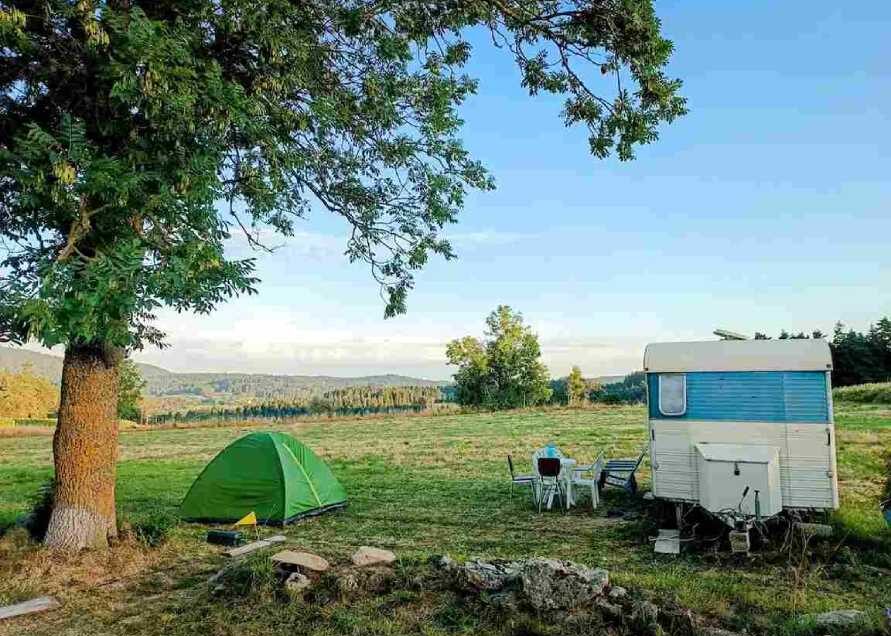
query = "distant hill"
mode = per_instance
[
  {"x": 269, "y": 385},
  {"x": 163, "y": 382},
  {"x": 49, "y": 366}
]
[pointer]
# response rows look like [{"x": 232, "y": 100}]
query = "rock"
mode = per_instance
[
  {"x": 716, "y": 631},
  {"x": 549, "y": 584},
  {"x": 644, "y": 616},
  {"x": 507, "y": 601},
  {"x": 376, "y": 580},
  {"x": 297, "y": 583},
  {"x": 303, "y": 560},
  {"x": 444, "y": 562},
  {"x": 348, "y": 584},
  {"x": 543, "y": 584},
  {"x": 482, "y": 575},
  {"x": 610, "y": 611},
  {"x": 366, "y": 555},
  {"x": 618, "y": 593},
  {"x": 837, "y": 618}
]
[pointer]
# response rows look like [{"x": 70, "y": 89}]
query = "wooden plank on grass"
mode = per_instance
[
  {"x": 40, "y": 604},
  {"x": 256, "y": 545}
]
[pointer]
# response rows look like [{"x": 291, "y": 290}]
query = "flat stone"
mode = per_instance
[
  {"x": 297, "y": 582},
  {"x": 302, "y": 560},
  {"x": 838, "y": 618},
  {"x": 366, "y": 555}
]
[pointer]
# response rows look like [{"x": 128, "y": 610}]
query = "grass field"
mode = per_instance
[{"x": 423, "y": 486}]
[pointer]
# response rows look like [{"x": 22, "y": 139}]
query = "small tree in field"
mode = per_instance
[
  {"x": 503, "y": 371},
  {"x": 575, "y": 387},
  {"x": 137, "y": 135}
]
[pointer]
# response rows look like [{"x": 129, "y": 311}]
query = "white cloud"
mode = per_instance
[{"x": 277, "y": 340}]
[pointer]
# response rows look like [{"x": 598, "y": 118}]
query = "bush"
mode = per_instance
[
  {"x": 154, "y": 528},
  {"x": 41, "y": 503},
  {"x": 875, "y": 393}
]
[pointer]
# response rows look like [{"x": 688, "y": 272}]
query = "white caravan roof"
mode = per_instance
[{"x": 738, "y": 355}]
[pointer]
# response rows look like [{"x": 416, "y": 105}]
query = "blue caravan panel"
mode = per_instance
[{"x": 750, "y": 396}]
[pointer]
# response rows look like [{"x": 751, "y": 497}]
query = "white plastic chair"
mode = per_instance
[{"x": 592, "y": 480}]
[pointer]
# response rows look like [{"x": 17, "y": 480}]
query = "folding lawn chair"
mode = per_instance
[
  {"x": 620, "y": 472},
  {"x": 520, "y": 480}
]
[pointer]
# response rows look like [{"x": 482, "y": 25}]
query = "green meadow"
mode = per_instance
[{"x": 423, "y": 486}]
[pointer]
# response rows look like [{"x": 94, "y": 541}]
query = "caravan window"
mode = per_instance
[{"x": 672, "y": 394}]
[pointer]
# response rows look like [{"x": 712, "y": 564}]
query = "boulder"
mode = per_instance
[
  {"x": 838, "y": 618},
  {"x": 549, "y": 584},
  {"x": 366, "y": 555},
  {"x": 543, "y": 584},
  {"x": 289, "y": 559}
]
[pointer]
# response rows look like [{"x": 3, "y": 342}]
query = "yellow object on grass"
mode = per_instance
[{"x": 249, "y": 519}]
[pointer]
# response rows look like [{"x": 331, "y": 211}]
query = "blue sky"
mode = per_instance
[{"x": 767, "y": 207}]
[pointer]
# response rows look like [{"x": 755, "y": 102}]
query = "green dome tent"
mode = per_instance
[{"x": 271, "y": 474}]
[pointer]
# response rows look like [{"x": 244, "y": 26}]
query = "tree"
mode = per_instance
[
  {"x": 472, "y": 381},
  {"x": 575, "y": 387},
  {"x": 136, "y": 136},
  {"x": 502, "y": 371},
  {"x": 857, "y": 358},
  {"x": 130, "y": 386}
]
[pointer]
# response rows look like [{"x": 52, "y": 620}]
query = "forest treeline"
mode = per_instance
[
  {"x": 294, "y": 388},
  {"x": 857, "y": 357},
  {"x": 359, "y": 400}
]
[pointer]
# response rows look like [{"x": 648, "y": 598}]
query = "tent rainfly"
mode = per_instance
[{"x": 271, "y": 474}]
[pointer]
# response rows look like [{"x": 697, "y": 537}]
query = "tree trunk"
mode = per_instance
[{"x": 85, "y": 449}]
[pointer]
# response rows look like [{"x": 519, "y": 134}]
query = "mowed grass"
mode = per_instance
[{"x": 432, "y": 485}]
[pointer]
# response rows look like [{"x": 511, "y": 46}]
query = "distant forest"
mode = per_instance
[
  {"x": 361, "y": 400},
  {"x": 296, "y": 388}
]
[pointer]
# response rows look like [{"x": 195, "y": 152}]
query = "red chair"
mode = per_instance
[{"x": 549, "y": 473}]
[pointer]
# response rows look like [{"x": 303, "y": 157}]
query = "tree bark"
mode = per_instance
[{"x": 85, "y": 449}]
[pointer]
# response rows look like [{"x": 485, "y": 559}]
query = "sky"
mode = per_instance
[{"x": 767, "y": 207}]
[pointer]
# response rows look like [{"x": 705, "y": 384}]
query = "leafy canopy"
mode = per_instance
[
  {"x": 503, "y": 371},
  {"x": 137, "y": 136}
]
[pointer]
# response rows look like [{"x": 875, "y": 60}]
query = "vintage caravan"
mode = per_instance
[{"x": 742, "y": 428}]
